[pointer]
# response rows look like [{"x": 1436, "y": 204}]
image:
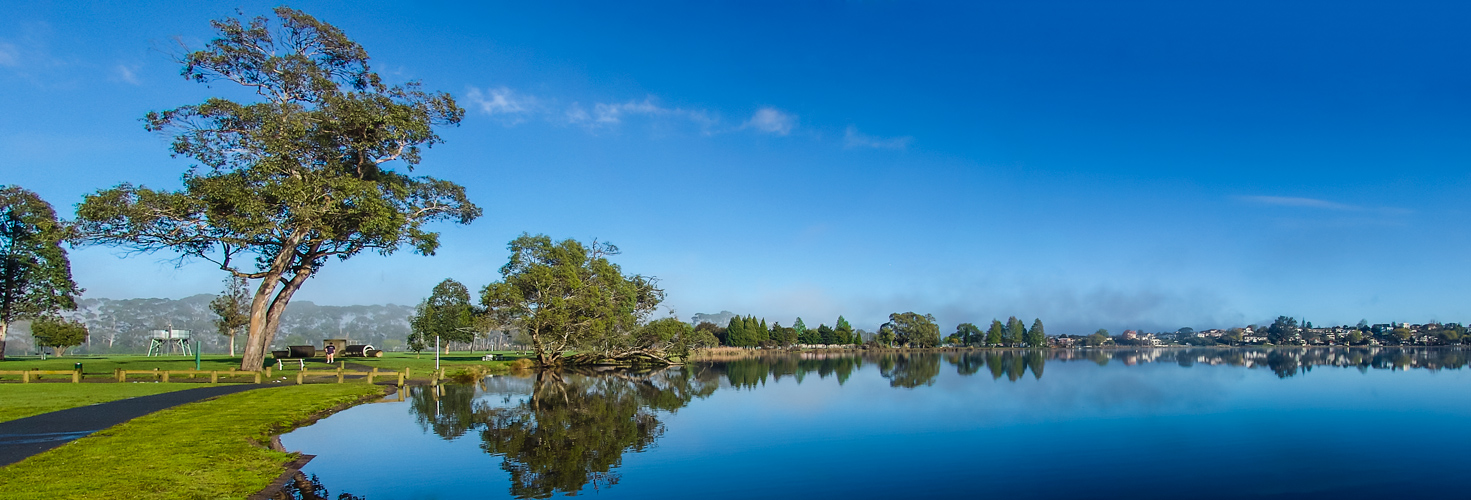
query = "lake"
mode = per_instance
[{"x": 1144, "y": 423}]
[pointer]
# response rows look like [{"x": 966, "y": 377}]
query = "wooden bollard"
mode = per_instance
[
  {"x": 155, "y": 374},
  {"x": 214, "y": 376},
  {"x": 372, "y": 375},
  {"x": 300, "y": 377},
  {"x": 339, "y": 375},
  {"x": 268, "y": 372},
  {"x": 257, "y": 376},
  {"x": 408, "y": 373},
  {"x": 165, "y": 376},
  {"x": 77, "y": 377},
  {"x": 25, "y": 377},
  {"x": 400, "y": 380}
]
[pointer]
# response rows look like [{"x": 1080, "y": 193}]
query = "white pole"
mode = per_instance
[{"x": 436, "y": 353}]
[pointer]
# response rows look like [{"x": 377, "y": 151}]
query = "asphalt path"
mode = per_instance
[{"x": 28, "y": 436}]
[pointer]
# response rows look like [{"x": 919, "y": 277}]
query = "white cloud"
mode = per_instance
[
  {"x": 852, "y": 138},
  {"x": 613, "y": 113},
  {"x": 1293, "y": 201},
  {"x": 9, "y": 56},
  {"x": 125, "y": 74},
  {"x": 1290, "y": 201},
  {"x": 501, "y": 101},
  {"x": 772, "y": 120}
]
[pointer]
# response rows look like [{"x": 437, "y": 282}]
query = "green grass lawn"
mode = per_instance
[
  {"x": 203, "y": 450},
  {"x": 24, "y": 400},
  {"x": 424, "y": 363},
  {"x": 102, "y": 366}
]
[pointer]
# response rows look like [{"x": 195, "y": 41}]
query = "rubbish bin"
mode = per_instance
[{"x": 78, "y": 367}]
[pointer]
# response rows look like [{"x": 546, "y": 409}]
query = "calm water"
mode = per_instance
[{"x": 1351, "y": 423}]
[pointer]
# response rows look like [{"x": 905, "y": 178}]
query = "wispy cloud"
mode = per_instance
[
  {"x": 9, "y": 55},
  {"x": 772, "y": 120},
  {"x": 125, "y": 74},
  {"x": 502, "y": 102},
  {"x": 1293, "y": 201},
  {"x": 852, "y": 138}
]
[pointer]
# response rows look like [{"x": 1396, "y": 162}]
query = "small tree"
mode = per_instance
[
  {"x": 567, "y": 295},
  {"x": 35, "y": 274},
  {"x": 968, "y": 333},
  {"x": 915, "y": 330},
  {"x": 446, "y": 314},
  {"x": 1036, "y": 336},
  {"x": 995, "y": 335},
  {"x": 233, "y": 309},
  {"x": 58, "y": 333}
]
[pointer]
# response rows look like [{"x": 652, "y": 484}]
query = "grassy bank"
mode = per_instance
[
  {"x": 24, "y": 400},
  {"x": 105, "y": 364},
  {"x": 100, "y": 365},
  {"x": 199, "y": 450}
]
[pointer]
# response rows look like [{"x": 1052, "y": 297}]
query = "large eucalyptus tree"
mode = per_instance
[
  {"x": 297, "y": 176},
  {"x": 35, "y": 274}
]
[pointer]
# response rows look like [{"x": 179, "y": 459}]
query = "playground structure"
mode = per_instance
[{"x": 159, "y": 340}]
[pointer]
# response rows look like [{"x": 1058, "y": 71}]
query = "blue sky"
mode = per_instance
[{"x": 1119, "y": 165}]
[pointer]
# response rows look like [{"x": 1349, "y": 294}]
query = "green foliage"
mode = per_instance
[
  {"x": 232, "y": 309},
  {"x": 886, "y": 335},
  {"x": 35, "y": 274},
  {"x": 915, "y": 330},
  {"x": 715, "y": 331},
  {"x": 1036, "y": 336},
  {"x": 446, "y": 314},
  {"x": 290, "y": 181},
  {"x": 968, "y": 334},
  {"x": 746, "y": 331},
  {"x": 567, "y": 295},
  {"x": 1282, "y": 331},
  {"x": 1016, "y": 332},
  {"x": 1401, "y": 334},
  {"x": 1098, "y": 338},
  {"x": 826, "y": 335},
  {"x": 58, "y": 333},
  {"x": 996, "y": 335},
  {"x": 844, "y": 332}
]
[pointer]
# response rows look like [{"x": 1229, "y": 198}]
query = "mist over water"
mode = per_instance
[{"x": 1151, "y": 423}]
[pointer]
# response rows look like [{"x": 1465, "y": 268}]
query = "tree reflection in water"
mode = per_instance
[
  {"x": 561, "y": 432},
  {"x": 910, "y": 370},
  {"x": 571, "y": 430}
]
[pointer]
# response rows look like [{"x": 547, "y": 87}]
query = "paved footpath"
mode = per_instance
[{"x": 28, "y": 436}]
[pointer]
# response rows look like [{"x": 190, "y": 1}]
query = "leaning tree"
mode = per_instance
[
  {"x": 35, "y": 274},
  {"x": 293, "y": 178},
  {"x": 568, "y": 296}
]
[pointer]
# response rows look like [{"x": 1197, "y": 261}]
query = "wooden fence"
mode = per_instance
[{"x": 164, "y": 376}]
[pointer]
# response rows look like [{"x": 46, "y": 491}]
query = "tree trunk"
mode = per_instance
[
  {"x": 232, "y": 345},
  {"x": 4, "y": 329}
]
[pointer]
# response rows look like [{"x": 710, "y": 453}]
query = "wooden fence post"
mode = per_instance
[
  {"x": 77, "y": 377},
  {"x": 301, "y": 376},
  {"x": 339, "y": 375},
  {"x": 165, "y": 376},
  {"x": 25, "y": 377},
  {"x": 214, "y": 376},
  {"x": 400, "y": 380},
  {"x": 257, "y": 377},
  {"x": 408, "y": 373}
]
